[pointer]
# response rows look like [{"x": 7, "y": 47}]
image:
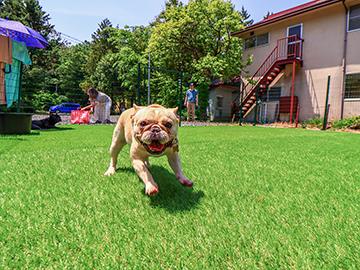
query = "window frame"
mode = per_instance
[
  {"x": 222, "y": 102},
  {"x": 351, "y": 98},
  {"x": 348, "y": 20},
  {"x": 256, "y": 43},
  {"x": 266, "y": 97}
]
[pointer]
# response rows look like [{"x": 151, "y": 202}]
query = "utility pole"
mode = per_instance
[
  {"x": 149, "y": 70},
  {"x": 139, "y": 84},
  {"x": 241, "y": 95}
]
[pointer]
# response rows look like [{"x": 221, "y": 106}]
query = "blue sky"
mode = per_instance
[{"x": 79, "y": 18}]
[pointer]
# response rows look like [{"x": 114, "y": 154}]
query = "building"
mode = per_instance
[
  {"x": 294, "y": 52},
  {"x": 222, "y": 100}
]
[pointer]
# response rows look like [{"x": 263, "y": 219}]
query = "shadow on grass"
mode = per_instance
[
  {"x": 126, "y": 170},
  {"x": 11, "y": 138},
  {"x": 172, "y": 196},
  {"x": 18, "y": 137},
  {"x": 56, "y": 129}
]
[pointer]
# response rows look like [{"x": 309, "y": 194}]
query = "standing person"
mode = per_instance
[
  {"x": 101, "y": 103},
  {"x": 191, "y": 100}
]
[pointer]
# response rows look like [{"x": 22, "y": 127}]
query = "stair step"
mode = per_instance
[
  {"x": 274, "y": 74},
  {"x": 270, "y": 78},
  {"x": 277, "y": 69}
]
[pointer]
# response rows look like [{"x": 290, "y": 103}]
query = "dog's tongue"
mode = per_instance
[{"x": 156, "y": 147}]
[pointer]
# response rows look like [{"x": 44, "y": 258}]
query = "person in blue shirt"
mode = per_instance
[{"x": 191, "y": 101}]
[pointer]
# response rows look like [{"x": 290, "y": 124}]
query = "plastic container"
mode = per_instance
[{"x": 15, "y": 123}]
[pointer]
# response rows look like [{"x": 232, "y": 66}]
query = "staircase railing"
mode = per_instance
[{"x": 286, "y": 48}]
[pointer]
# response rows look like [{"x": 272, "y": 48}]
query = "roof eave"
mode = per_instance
[{"x": 286, "y": 16}]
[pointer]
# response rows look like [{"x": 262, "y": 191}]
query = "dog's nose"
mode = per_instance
[{"x": 155, "y": 129}]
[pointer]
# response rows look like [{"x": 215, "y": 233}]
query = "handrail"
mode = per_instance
[{"x": 286, "y": 48}]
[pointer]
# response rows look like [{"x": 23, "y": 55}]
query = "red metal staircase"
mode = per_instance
[{"x": 288, "y": 50}]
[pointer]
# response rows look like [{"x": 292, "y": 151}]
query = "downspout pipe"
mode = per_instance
[{"x": 344, "y": 60}]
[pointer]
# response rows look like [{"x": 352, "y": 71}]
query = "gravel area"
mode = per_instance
[{"x": 66, "y": 120}]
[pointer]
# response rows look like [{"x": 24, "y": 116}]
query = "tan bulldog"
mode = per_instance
[{"x": 151, "y": 131}]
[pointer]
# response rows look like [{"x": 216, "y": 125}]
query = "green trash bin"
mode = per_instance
[{"x": 15, "y": 123}]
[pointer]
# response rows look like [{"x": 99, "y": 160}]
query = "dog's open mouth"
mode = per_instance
[{"x": 155, "y": 147}]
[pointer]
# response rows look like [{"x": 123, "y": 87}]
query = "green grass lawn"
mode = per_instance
[{"x": 263, "y": 198}]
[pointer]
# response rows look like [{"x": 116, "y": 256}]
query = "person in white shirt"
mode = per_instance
[{"x": 101, "y": 104}]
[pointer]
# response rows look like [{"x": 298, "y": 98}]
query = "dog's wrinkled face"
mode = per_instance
[{"x": 155, "y": 128}]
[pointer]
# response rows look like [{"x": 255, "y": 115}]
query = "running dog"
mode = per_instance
[{"x": 151, "y": 131}]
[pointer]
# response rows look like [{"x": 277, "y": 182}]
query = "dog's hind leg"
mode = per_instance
[{"x": 117, "y": 144}]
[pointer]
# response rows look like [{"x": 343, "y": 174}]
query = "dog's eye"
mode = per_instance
[
  {"x": 168, "y": 125},
  {"x": 143, "y": 123}
]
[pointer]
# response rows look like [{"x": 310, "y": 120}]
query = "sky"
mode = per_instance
[{"x": 80, "y": 18}]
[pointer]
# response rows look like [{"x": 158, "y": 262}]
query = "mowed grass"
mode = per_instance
[{"x": 263, "y": 199}]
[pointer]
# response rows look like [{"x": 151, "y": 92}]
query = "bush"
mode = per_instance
[
  {"x": 353, "y": 123},
  {"x": 311, "y": 123},
  {"x": 43, "y": 100}
]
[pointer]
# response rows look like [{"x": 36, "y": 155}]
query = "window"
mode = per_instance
[
  {"x": 354, "y": 18},
  {"x": 295, "y": 30},
  {"x": 262, "y": 39},
  {"x": 219, "y": 101},
  {"x": 273, "y": 94},
  {"x": 250, "y": 42},
  {"x": 352, "y": 86},
  {"x": 256, "y": 41}
]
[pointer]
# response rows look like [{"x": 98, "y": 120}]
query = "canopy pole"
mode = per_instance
[{"x": 20, "y": 86}]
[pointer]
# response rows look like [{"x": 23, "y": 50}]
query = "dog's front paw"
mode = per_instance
[
  {"x": 186, "y": 182},
  {"x": 110, "y": 171},
  {"x": 151, "y": 189}
]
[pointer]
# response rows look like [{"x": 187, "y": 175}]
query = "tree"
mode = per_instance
[
  {"x": 100, "y": 45},
  {"x": 168, "y": 4},
  {"x": 196, "y": 38},
  {"x": 28, "y": 12},
  {"x": 71, "y": 71},
  {"x": 268, "y": 14},
  {"x": 115, "y": 71},
  {"x": 246, "y": 17}
]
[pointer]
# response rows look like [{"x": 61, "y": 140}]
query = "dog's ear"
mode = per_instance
[
  {"x": 136, "y": 107},
  {"x": 175, "y": 111}
]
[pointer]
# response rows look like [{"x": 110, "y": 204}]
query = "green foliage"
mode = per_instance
[
  {"x": 203, "y": 89},
  {"x": 268, "y": 14},
  {"x": 43, "y": 100},
  {"x": 28, "y": 12},
  {"x": 246, "y": 17},
  {"x": 115, "y": 71},
  {"x": 196, "y": 38},
  {"x": 71, "y": 71},
  {"x": 352, "y": 123},
  {"x": 313, "y": 123},
  {"x": 100, "y": 45},
  {"x": 193, "y": 38}
]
